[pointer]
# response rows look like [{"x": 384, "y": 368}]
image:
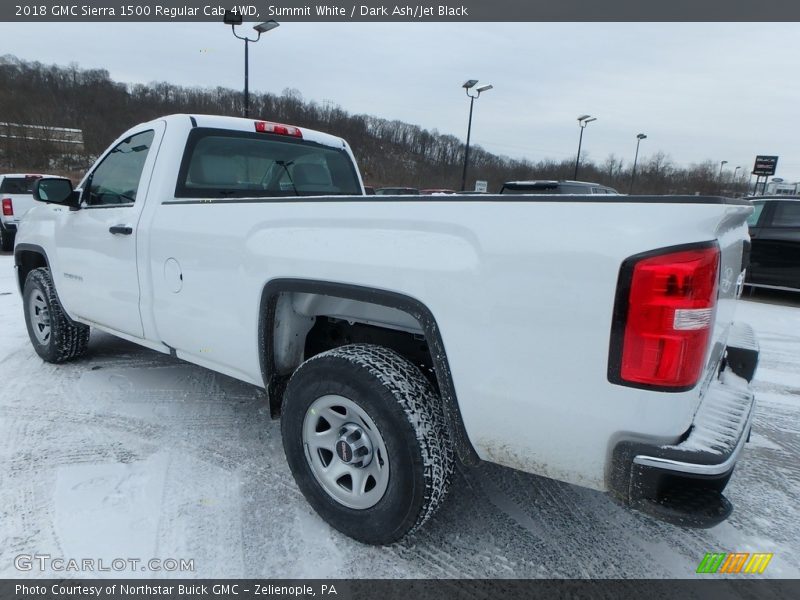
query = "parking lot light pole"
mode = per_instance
[
  {"x": 733, "y": 179},
  {"x": 639, "y": 138},
  {"x": 469, "y": 85},
  {"x": 233, "y": 20},
  {"x": 721, "y": 164},
  {"x": 583, "y": 121}
]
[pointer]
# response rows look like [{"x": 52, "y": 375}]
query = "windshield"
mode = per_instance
[
  {"x": 758, "y": 208},
  {"x": 240, "y": 164}
]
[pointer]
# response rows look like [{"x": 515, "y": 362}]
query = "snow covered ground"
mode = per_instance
[{"x": 127, "y": 453}]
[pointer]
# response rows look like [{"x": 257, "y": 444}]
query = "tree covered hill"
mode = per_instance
[{"x": 389, "y": 153}]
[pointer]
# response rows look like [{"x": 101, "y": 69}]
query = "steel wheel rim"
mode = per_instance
[
  {"x": 39, "y": 313},
  {"x": 329, "y": 420}
]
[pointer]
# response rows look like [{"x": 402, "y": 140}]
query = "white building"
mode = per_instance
[{"x": 779, "y": 187}]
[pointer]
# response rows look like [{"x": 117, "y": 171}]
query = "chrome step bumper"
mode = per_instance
[{"x": 683, "y": 482}]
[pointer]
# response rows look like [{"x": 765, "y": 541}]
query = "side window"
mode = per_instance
[
  {"x": 758, "y": 208},
  {"x": 787, "y": 214},
  {"x": 116, "y": 179}
]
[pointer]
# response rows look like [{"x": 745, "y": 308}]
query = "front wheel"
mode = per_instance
[
  {"x": 54, "y": 337},
  {"x": 364, "y": 435}
]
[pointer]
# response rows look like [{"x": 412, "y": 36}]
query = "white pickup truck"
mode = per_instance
[
  {"x": 16, "y": 198},
  {"x": 588, "y": 340}
]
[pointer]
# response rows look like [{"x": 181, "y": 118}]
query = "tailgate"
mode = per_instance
[
  {"x": 21, "y": 203},
  {"x": 16, "y": 192},
  {"x": 733, "y": 238}
]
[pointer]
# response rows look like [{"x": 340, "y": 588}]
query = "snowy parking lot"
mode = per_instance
[{"x": 130, "y": 453}]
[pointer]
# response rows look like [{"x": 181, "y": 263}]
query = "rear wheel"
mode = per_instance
[
  {"x": 54, "y": 337},
  {"x": 6, "y": 239},
  {"x": 365, "y": 438}
]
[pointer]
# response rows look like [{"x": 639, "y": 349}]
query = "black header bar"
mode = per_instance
[
  {"x": 407, "y": 589},
  {"x": 390, "y": 11}
]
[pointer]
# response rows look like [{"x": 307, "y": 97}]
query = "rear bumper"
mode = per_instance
[
  {"x": 8, "y": 226},
  {"x": 682, "y": 483}
]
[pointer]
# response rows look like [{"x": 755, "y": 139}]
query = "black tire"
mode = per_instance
[
  {"x": 6, "y": 239},
  {"x": 409, "y": 416},
  {"x": 66, "y": 340}
]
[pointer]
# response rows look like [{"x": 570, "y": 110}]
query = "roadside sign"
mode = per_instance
[
  {"x": 481, "y": 186},
  {"x": 765, "y": 166}
]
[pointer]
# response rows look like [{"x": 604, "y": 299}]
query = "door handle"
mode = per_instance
[{"x": 121, "y": 230}]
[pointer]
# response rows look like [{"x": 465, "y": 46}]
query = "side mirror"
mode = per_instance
[{"x": 55, "y": 190}]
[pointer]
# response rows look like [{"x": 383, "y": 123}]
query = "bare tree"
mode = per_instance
[{"x": 389, "y": 152}]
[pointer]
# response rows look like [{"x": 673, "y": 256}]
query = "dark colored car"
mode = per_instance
[
  {"x": 397, "y": 191},
  {"x": 555, "y": 187},
  {"x": 775, "y": 243}
]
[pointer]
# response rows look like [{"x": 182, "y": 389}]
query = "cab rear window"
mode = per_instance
[
  {"x": 18, "y": 185},
  {"x": 233, "y": 164}
]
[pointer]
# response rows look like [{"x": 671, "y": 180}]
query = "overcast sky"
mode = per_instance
[{"x": 699, "y": 91}]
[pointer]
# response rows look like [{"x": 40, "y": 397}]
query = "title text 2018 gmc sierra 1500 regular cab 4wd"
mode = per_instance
[{"x": 588, "y": 341}]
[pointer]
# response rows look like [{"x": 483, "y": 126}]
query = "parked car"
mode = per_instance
[
  {"x": 16, "y": 195},
  {"x": 555, "y": 187},
  {"x": 430, "y": 192},
  {"x": 397, "y": 191},
  {"x": 775, "y": 243},
  {"x": 395, "y": 337}
]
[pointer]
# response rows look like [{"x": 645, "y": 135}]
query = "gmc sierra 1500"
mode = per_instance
[{"x": 588, "y": 339}]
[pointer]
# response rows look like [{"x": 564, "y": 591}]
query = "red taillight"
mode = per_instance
[
  {"x": 663, "y": 318},
  {"x": 278, "y": 128},
  {"x": 8, "y": 207}
]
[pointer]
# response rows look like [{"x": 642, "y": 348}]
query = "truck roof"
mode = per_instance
[
  {"x": 778, "y": 197},
  {"x": 241, "y": 124},
  {"x": 550, "y": 182}
]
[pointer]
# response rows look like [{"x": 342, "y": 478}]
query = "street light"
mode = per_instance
[
  {"x": 265, "y": 27},
  {"x": 233, "y": 20},
  {"x": 583, "y": 121},
  {"x": 469, "y": 85},
  {"x": 733, "y": 179},
  {"x": 639, "y": 138},
  {"x": 721, "y": 164}
]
